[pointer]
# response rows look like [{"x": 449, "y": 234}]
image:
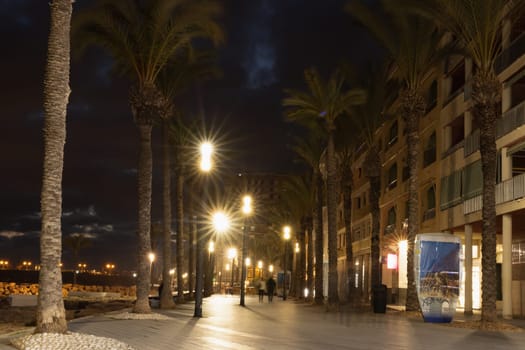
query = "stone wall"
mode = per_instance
[{"x": 8, "y": 288}]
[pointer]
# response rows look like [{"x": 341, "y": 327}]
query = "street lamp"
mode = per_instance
[
  {"x": 206, "y": 151},
  {"x": 151, "y": 258},
  {"x": 232, "y": 254},
  {"x": 221, "y": 223},
  {"x": 286, "y": 236},
  {"x": 246, "y": 210},
  {"x": 260, "y": 266}
]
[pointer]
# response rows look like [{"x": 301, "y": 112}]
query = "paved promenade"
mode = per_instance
[{"x": 288, "y": 325}]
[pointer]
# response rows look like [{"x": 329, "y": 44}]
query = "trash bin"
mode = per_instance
[{"x": 379, "y": 299}]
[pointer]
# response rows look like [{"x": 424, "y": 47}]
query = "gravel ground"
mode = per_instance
[{"x": 80, "y": 341}]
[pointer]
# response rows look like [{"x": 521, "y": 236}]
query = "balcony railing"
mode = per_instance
[
  {"x": 506, "y": 191},
  {"x": 471, "y": 143},
  {"x": 511, "y": 120},
  {"x": 389, "y": 229},
  {"x": 510, "y": 54}
]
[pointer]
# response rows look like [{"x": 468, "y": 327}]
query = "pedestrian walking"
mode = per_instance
[
  {"x": 270, "y": 287},
  {"x": 262, "y": 288}
]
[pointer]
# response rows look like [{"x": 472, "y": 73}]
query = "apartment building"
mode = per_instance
[{"x": 450, "y": 182}]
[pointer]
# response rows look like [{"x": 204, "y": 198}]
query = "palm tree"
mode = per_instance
[
  {"x": 345, "y": 145},
  {"x": 50, "y": 313},
  {"x": 76, "y": 242},
  {"x": 478, "y": 25},
  {"x": 175, "y": 79},
  {"x": 299, "y": 199},
  {"x": 366, "y": 119},
  {"x": 309, "y": 149},
  {"x": 327, "y": 101},
  {"x": 142, "y": 37},
  {"x": 414, "y": 45}
]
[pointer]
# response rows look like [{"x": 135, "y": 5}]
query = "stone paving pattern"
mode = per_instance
[{"x": 288, "y": 325}]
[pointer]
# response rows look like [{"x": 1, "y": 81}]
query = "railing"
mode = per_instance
[
  {"x": 471, "y": 143},
  {"x": 510, "y": 54},
  {"x": 389, "y": 229},
  {"x": 510, "y": 120},
  {"x": 429, "y": 214},
  {"x": 467, "y": 92},
  {"x": 506, "y": 191}
]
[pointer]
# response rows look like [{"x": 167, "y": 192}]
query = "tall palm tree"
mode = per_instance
[
  {"x": 325, "y": 100},
  {"x": 51, "y": 314},
  {"x": 478, "y": 25},
  {"x": 299, "y": 198},
  {"x": 415, "y": 47},
  {"x": 309, "y": 149},
  {"x": 142, "y": 37},
  {"x": 178, "y": 75},
  {"x": 345, "y": 146},
  {"x": 366, "y": 119},
  {"x": 76, "y": 242}
]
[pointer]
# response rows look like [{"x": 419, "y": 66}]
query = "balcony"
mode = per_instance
[
  {"x": 471, "y": 143},
  {"x": 506, "y": 191},
  {"x": 510, "y": 54},
  {"x": 511, "y": 120},
  {"x": 429, "y": 214},
  {"x": 390, "y": 229}
]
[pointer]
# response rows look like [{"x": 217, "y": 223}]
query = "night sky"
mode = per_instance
[{"x": 268, "y": 45}]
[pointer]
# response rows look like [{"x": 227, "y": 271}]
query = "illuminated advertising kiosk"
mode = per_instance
[{"x": 436, "y": 264}]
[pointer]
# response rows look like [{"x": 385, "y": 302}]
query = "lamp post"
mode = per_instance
[
  {"x": 246, "y": 210},
  {"x": 260, "y": 266},
  {"x": 151, "y": 258},
  {"x": 206, "y": 151},
  {"x": 286, "y": 236},
  {"x": 221, "y": 223},
  {"x": 232, "y": 253}
]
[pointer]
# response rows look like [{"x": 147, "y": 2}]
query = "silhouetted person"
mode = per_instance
[
  {"x": 262, "y": 288},
  {"x": 270, "y": 287}
]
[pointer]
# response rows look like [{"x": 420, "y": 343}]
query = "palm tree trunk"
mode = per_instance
[
  {"x": 166, "y": 298},
  {"x": 144, "y": 218},
  {"x": 51, "y": 315},
  {"x": 347, "y": 210},
  {"x": 413, "y": 107},
  {"x": 373, "y": 172},
  {"x": 485, "y": 94},
  {"x": 331, "y": 194},
  {"x": 310, "y": 258},
  {"x": 180, "y": 234},
  {"x": 319, "y": 298}
]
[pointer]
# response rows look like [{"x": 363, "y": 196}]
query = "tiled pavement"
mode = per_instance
[{"x": 288, "y": 325}]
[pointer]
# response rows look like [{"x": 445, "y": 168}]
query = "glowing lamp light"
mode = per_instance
[
  {"x": 287, "y": 230},
  {"x": 391, "y": 261},
  {"x": 221, "y": 222},
  {"x": 247, "y": 205},
  {"x": 206, "y": 152}
]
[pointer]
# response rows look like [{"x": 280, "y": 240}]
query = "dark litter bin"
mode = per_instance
[{"x": 379, "y": 299}]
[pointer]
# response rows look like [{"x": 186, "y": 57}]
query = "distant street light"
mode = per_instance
[
  {"x": 286, "y": 236},
  {"x": 151, "y": 258},
  {"x": 246, "y": 210},
  {"x": 260, "y": 266}
]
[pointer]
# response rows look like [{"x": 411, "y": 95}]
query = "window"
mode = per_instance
[
  {"x": 392, "y": 177},
  {"x": 392, "y": 138},
  {"x": 430, "y": 212},
  {"x": 391, "y": 221},
  {"x": 432, "y": 96},
  {"x": 451, "y": 190},
  {"x": 457, "y": 76},
  {"x": 457, "y": 131},
  {"x": 429, "y": 155},
  {"x": 358, "y": 202}
]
